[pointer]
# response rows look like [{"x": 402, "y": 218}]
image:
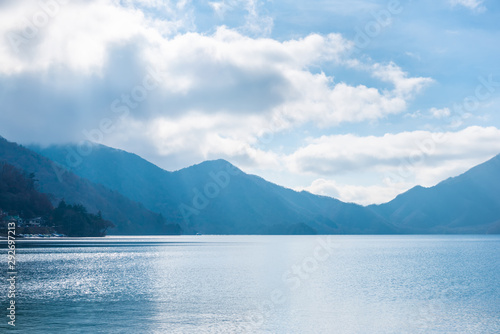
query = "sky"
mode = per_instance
[{"x": 359, "y": 100}]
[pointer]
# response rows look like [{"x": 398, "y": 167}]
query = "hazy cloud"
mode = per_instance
[
  {"x": 139, "y": 75},
  {"x": 90, "y": 59},
  {"x": 440, "y": 113},
  {"x": 339, "y": 154},
  {"x": 364, "y": 195},
  {"x": 398, "y": 161},
  {"x": 475, "y": 5}
]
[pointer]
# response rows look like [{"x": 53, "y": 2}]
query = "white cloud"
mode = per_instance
[
  {"x": 440, "y": 113},
  {"x": 475, "y": 5},
  {"x": 219, "y": 8},
  {"x": 392, "y": 163},
  {"x": 78, "y": 36},
  {"x": 220, "y": 90},
  {"x": 195, "y": 137},
  {"x": 413, "y": 55},
  {"x": 224, "y": 73},
  {"x": 255, "y": 23},
  {"x": 364, "y": 195},
  {"x": 423, "y": 156},
  {"x": 404, "y": 86}
]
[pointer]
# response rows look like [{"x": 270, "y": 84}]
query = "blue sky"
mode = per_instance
[{"x": 359, "y": 100}]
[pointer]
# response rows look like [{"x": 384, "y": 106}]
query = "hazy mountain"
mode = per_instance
[
  {"x": 216, "y": 197},
  {"x": 469, "y": 203},
  {"x": 129, "y": 217},
  {"x": 18, "y": 194}
]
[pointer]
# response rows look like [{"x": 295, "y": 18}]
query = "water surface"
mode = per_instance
[{"x": 258, "y": 284}]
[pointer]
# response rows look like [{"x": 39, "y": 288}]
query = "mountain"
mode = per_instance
[
  {"x": 130, "y": 217},
  {"x": 468, "y": 203},
  {"x": 215, "y": 197},
  {"x": 18, "y": 194}
]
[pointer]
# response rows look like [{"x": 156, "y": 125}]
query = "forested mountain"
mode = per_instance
[
  {"x": 20, "y": 198},
  {"x": 129, "y": 217},
  {"x": 18, "y": 195}
]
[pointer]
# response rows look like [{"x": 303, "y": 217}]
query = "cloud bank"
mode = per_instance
[{"x": 139, "y": 75}]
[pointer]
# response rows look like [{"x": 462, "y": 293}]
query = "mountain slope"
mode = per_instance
[
  {"x": 468, "y": 203},
  {"x": 129, "y": 217},
  {"x": 216, "y": 197},
  {"x": 248, "y": 200}
]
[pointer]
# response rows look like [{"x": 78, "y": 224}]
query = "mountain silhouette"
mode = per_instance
[
  {"x": 468, "y": 203},
  {"x": 216, "y": 197},
  {"x": 129, "y": 217}
]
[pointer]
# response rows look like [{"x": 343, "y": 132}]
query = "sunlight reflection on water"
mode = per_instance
[{"x": 225, "y": 284}]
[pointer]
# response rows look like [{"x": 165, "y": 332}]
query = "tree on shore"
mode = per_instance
[
  {"x": 19, "y": 197},
  {"x": 75, "y": 221},
  {"x": 18, "y": 194}
]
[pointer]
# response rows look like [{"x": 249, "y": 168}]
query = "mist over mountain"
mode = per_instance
[
  {"x": 129, "y": 217},
  {"x": 216, "y": 197}
]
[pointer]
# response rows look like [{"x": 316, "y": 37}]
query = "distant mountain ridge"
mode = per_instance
[
  {"x": 468, "y": 203},
  {"x": 198, "y": 201},
  {"x": 215, "y": 197}
]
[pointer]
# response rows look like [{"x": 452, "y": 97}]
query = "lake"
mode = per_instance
[{"x": 257, "y": 284}]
